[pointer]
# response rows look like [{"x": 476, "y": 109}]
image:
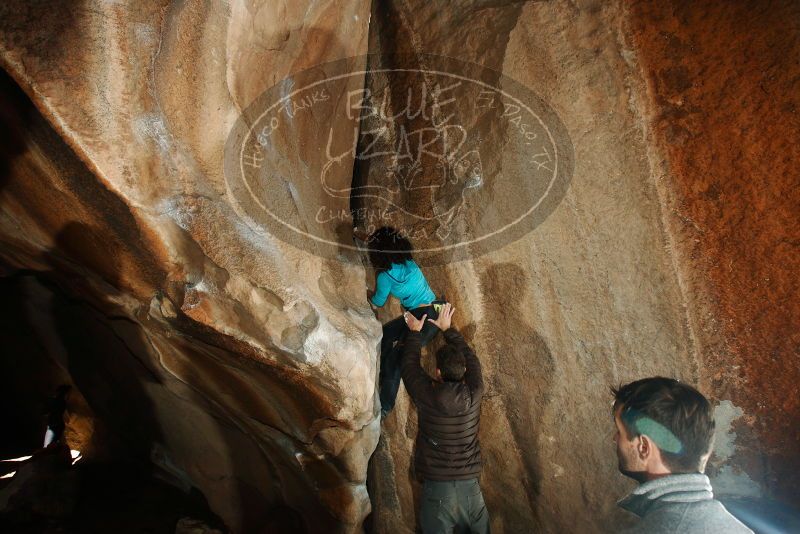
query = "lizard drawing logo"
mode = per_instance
[
  {"x": 459, "y": 158},
  {"x": 424, "y": 175}
]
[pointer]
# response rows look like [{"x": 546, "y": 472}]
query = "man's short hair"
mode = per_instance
[
  {"x": 451, "y": 362},
  {"x": 677, "y": 417}
]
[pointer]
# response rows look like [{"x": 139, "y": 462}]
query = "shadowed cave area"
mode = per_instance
[{"x": 605, "y": 191}]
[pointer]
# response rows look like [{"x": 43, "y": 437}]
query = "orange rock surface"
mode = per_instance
[{"x": 723, "y": 82}]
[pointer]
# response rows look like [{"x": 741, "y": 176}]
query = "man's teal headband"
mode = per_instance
[{"x": 661, "y": 435}]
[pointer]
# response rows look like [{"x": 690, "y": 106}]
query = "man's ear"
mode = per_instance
[
  {"x": 645, "y": 447},
  {"x": 438, "y": 373}
]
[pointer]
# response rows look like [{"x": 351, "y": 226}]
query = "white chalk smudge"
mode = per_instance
[
  {"x": 151, "y": 126},
  {"x": 731, "y": 482},
  {"x": 724, "y": 438}
]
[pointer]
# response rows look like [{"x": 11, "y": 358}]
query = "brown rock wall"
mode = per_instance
[
  {"x": 672, "y": 252},
  {"x": 586, "y": 300},
  {"x": 722, "y": 104},
  {"x": 264, "y": 370}
]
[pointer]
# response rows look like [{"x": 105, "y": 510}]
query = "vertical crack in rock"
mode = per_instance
[{"x": 403, "y": 36}]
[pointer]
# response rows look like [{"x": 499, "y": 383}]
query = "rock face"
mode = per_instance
[
  {"x": 243, "y": 361},
  {"x": 587, "y": 300},
  {"x": 723, "y": 111},
  {"x": 249, "y": 366}
]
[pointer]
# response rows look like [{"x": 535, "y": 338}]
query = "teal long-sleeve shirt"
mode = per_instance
[{"x": 406, "y": 282}]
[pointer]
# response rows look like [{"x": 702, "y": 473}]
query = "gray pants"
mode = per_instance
[{"x": 453, "y": 505}]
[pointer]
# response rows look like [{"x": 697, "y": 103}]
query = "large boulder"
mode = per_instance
[{"x": 229, "y": 356}]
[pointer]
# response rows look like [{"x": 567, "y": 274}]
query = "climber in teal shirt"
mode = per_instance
[
  {"x": 398, "y": 275},
  {"x": 406, "y": 282}
]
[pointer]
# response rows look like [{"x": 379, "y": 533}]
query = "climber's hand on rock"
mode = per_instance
[
  {"x": 413, "y": 323},
  {"x": 445, "y": 317}
]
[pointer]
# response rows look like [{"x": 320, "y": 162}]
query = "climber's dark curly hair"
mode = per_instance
[{"x": 388, "y": 246}]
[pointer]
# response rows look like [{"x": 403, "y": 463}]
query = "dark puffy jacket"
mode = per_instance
[{"x": 449, "y": 414}]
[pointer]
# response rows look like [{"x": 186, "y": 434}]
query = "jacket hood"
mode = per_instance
[{"x": 682, "y": 488}]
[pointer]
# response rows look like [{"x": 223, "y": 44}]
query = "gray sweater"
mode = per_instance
[{"x": 680, "y": 503}]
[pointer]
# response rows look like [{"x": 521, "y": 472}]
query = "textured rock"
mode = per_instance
[
  {"x": 586, "y": 300},
  {"x": 245, "y": 366},
  {"x": 608, "y": 289},
  {"x": 254, "y": 375},
  {"x": 722, "y": 91}
]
